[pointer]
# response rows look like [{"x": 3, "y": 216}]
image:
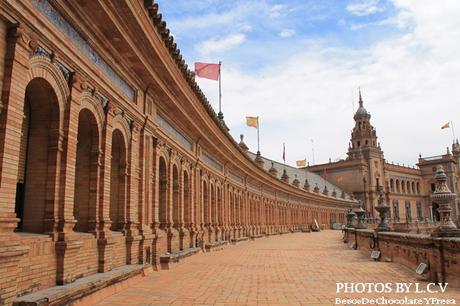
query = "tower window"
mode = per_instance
[{"x": 359, "y": 144}]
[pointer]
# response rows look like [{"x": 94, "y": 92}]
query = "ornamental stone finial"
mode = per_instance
[
  {"x": 273, "y": 170},
  {"x": 360, "y": 213},
  {"x": 285, "y": 176},
  {"x": 242, "y": 145},
  {"x": 443, "y": 197},
  {"x": 351, "y": 218},
  {"x": 259, "y": 160},
  {"x": 383, "y": 210}
]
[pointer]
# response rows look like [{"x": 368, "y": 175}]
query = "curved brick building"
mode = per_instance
[{"x": 111, "y": 159}]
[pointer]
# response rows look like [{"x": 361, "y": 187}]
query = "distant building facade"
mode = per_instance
[{"x": 408, "y": 189}]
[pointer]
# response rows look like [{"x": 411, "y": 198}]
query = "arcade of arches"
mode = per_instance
[{"x": 102, "y": 167}]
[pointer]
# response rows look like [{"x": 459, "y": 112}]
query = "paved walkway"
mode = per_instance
[{"x": 293, "y": 269}]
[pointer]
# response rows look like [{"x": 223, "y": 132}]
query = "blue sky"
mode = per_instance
[
  {"x": 297, "y": 64},
  {"x": 279, "y": 27}
]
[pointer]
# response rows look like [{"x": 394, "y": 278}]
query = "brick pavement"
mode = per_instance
[{"x": 293, "y": 269}]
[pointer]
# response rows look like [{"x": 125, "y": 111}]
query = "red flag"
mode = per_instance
[
  {"x": 325, "y": 174},
  {"x": 207, "y": 71}
]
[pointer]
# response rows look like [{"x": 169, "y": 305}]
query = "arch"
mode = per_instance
[
  {"x": 41, "y": 67},
  {"x": 418, "y": 188},
  {"x": 408, "y": 187},
  {"x": 398, "y": 186},
  {"x": 118, "y": 181},
  {"x": 162, "y": 192},
  {"x": 413, "y": 190},
  {"x": 86, "y": 170},
  {"x": 392, "y": 187},
  {"x": 41, "y": 126},
  {"x": 120, "y": 123},
  {"x": 175, "y": 196},
  {"x": 88, "y": 102}
]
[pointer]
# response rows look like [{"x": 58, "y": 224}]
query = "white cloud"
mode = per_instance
[
  {"x": 409, "y": 83},
  {"x": 364, "y": 7},
  {"x": 276, "y": 10},
  {"x": 287, "y": 33},
  {"x": 246, "y": 27},
  {"x": 220, "y": 44}
]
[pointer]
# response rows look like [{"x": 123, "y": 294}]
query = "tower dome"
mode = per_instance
[{"x": 361, "y": 113}]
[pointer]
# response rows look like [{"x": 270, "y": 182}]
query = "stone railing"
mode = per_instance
[{"x": 441, "y": 255}]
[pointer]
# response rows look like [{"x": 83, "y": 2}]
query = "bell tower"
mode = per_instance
[
  {"x": 363, "y": 141},
  {"x": 365, "y": 150}
]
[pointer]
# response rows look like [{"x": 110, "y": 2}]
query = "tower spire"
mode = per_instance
[{"x": 360, "y": 99}]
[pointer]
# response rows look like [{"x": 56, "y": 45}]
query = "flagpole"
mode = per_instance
[
  {"x": 452, "y": 128},
  {"x": 220, "y": 114}
]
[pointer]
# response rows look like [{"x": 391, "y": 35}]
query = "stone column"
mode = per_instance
[
  {"x": 145, "y": 196},
  {"x": 100, "y": 222},
  {"x": 59, "y": 219},
  {"x": 159, "y": 241},
  {"x": 11, "y": 117},
  {"x": 133, "y": 236}
]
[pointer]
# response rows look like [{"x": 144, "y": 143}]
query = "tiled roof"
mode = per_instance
[{"x": 302, "y": 174}]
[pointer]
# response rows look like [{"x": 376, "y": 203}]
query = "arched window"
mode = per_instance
[{"x": 392, "y": 185}]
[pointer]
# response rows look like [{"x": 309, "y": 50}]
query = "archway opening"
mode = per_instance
[
  {"x": 213, "y": 205},
  {"x": 176, "y": 193},
  {"x": 162, "y": 196},
  {"x": 38, "y": 134},
  {"x": 186, "y": 200},
  {"x": 205, "y": 203},
  {"x": 85, "y": 199},
  {"x": 219, "y": 206},
  {"x": 117, "y": 207}
]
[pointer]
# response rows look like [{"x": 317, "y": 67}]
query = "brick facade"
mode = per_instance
[{"x": 110, "y": 154}]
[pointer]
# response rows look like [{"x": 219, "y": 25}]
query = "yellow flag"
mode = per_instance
[
  {"x": 252, "y": 121},
  {"x": 301, "y": 163},
  {"x": 445, "y": 126}
]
